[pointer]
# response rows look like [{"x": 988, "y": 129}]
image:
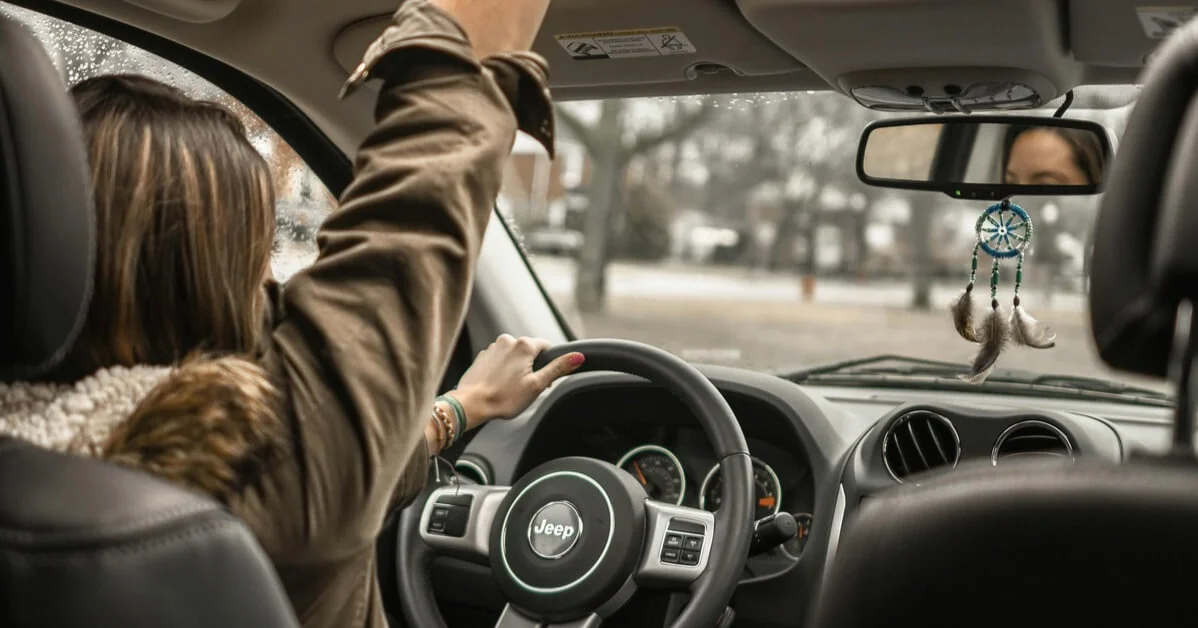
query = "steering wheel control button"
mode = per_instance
[
  {"x": 674, "y": 540},
  {"x": 456, "y": 500},
  {"x": 692, "y": 543},
  {"x": 670, "y": 555},
  {"x": 690, "y": 527},
  {"x": 554, "y": 530},
  {"x": 689, "y": 558},
  {"x": 450, "y": 515}
]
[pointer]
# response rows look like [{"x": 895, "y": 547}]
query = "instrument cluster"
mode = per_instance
[{"x": 664, "y": 479}]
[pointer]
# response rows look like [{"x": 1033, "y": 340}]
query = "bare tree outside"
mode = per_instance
[{"x": 612, "y": 141}]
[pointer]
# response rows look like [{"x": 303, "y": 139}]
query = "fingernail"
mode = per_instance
[{"x": 577, "y": 359}]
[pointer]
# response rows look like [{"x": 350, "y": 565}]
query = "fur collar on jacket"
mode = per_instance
[
  {"x": 209, "y": 424},
  {"x": 75, "y": 417}
]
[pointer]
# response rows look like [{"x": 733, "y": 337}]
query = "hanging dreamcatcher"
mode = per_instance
[{"x": 1004, "y": 232}]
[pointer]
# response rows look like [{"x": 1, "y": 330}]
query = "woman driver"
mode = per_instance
[{"x": 311, "y": 426}]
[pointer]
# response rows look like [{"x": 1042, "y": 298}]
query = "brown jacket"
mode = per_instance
[{"x": 360, "y": 339}]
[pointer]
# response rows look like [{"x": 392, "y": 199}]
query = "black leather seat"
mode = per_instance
[
  {"x": 83, "y": 543},
  {"x": 1066, "y": 545}
]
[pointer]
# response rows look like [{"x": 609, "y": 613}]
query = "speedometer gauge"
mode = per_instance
[
  {"x": 658, "y": 470},
  {"x": 767, "y": 490}
]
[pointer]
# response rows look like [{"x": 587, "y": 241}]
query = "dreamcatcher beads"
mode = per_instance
[{"x": 1004, "y": 231}]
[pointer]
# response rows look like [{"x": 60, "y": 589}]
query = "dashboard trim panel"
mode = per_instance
[{"x": 834, "y": 529}]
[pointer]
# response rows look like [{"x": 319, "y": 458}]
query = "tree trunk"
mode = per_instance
[
  {"x": 590, "y": 285},
  {"x": 604, "y": 197},
  {"x": 784, "y": 237},
  {"x": 810, "y": 257},
  {"x": 861, "y": 244},
  {"x": 920, "y": 239}
]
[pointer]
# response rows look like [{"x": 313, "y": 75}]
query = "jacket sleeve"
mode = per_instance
[{"x": 361, "y": 338}]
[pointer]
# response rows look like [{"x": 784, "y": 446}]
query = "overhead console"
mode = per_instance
[{"x": 890, "y": 54}]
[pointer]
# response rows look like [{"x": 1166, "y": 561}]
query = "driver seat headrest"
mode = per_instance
[
  {"x": 47, "y": 230},
  {"x": 1144, "y": 262}
]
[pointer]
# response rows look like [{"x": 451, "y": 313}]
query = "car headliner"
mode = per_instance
[{"x": 303, "y": 48}]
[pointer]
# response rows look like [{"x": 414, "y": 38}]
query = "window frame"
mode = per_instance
[{"x": 319, "y": 153}]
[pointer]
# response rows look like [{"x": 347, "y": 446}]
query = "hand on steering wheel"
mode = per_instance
[
  {"x": 575, "y": 537},
  {"x": 503, "y": 381}
]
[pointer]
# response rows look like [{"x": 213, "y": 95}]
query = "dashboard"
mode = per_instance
[{"x": 818, "y": 453}]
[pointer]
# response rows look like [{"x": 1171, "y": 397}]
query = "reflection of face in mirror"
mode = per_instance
[{"x": 1052, "y": 156}]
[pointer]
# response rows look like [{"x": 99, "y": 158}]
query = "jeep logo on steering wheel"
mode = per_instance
[{"x": 554, "y": 530}]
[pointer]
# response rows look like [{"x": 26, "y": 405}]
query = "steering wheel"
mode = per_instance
[{"x": 573, "y": 539}]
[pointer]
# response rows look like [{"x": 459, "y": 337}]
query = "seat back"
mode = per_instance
[
  {"x": 84, "y": 543},
  {"x": 1027, "y": 547}
]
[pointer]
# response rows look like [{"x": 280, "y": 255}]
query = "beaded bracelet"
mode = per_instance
[
  {"x": 445, "y": 427},
  {"x": 440, "y": 430},
  {"x": 458, "y": 410}
]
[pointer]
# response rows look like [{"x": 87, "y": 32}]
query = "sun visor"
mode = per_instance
[
  {"x": 1123, "y": 32},
  {"x": 628, "y": 42},
  {"x": 890, "y": 55},
  {"x": 193, "y": 11}
]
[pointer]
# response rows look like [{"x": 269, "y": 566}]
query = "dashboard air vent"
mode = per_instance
[
  {"x": 920, "y": 441},
  {"x": 472, "y": 472},
  {"x": 1031, "y": 438}
]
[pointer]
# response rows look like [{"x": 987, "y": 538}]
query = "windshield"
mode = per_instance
[{"x": 733, "y": 230}]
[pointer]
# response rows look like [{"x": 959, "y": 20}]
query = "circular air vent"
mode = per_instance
[
  {"x": 472, "y": 471},
  {"x": 1032, "y": 438},
  {"x": 920, "y": 441}
]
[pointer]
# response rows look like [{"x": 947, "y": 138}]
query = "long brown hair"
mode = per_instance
[
  {"x": 185, "y": 219},
  {"x": 1088, "y": 153}
]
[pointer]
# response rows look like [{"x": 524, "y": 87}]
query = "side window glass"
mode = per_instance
[{"x": 302, "y": 201}]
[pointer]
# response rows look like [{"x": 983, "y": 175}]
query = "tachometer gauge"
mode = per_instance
[
  {"x": 766, "y": 488},
  {"x": 658, "y": 470},
  {"x": 794, "y": 547}
]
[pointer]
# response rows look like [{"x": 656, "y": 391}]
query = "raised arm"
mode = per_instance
[{"x": 361, "y": 338}]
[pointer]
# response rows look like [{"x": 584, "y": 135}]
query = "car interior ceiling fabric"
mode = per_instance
[
  {"x": 82, "y": 542},
  {"x": 1063, "y": 543}
]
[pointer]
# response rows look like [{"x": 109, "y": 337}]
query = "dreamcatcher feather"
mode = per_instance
[{"x": 1004, "y": 231}]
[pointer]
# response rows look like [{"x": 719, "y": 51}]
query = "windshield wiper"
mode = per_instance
[
  {"x": 1097, "y": 384},
  {"x": 908, "y": 366},
  {"x": 935, "y": 374}
]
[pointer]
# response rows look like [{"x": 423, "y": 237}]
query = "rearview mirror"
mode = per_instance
[{"x": 985, "y": 157}]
